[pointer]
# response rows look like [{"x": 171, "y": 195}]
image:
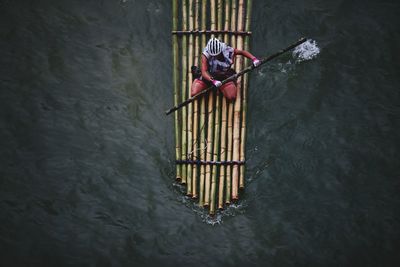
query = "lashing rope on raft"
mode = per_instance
[{"x": 209, "y": 162}]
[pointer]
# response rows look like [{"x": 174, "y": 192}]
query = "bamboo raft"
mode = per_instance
[{"x": 210, "y": 133}]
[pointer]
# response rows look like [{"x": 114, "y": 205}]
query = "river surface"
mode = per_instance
[{"x": 86, "y": 152}]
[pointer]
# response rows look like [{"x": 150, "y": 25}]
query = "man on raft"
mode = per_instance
[{"x": 216, "y": 61}]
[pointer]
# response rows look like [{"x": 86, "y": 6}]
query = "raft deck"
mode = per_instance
[{"x": 210, "y": 133}]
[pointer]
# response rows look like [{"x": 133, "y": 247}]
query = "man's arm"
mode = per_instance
[
  {"x": 204, "y": 69},
  {"x": 244, "y": 53},
  {"x": 247, "y": 54},
  {"x": 205, "y": 74}
]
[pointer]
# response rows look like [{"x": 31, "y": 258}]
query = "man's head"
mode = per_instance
[{"x": 215, "y": 46}]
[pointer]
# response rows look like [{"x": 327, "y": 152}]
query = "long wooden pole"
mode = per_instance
[
  {"x": 228, "y": 191},
  {"x": 224, "y": 115},
  {"x": 210, "y": 132},
  {"x": 210, "y": 123},
  {"x": 219, "y": 17},
  {"x": 196, "y": 143},
  {"x": 211, "y": 32},
  {"x": 233, "y": 77},
  {"x": 237, "y": 109},
  {"x": 244, "y": 99},
  {"x": 215, "y": 155},
  {"x": 202, "y": 117},
  {"x": 184, "y": 90},
  {"x": 217, "y": 125},
  {"x": 190, "y": 107},
  {"x": 176, "y": 87}
]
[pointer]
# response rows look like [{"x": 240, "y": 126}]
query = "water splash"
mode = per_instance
[
  {"x": 306, "y": 51},
  {"x": 230, "y": 210}
]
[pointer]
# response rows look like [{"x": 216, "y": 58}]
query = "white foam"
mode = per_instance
[
  {"x": 306, "y": 51},
  {"x": 217, "y": 219},
  {"x": 212, "y": 220}
]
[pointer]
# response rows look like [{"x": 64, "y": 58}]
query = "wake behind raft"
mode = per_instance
[{"x": 210, "y": 132}]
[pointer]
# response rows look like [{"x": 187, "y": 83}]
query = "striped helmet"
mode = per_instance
[{"x": 214, "y": 46}]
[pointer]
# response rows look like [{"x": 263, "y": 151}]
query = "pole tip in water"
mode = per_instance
[{"x": 302, "y": 39}]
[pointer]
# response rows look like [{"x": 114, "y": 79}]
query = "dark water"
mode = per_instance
[{"x": 86, "y": 172}]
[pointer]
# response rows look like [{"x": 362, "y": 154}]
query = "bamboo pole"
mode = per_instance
[
  {"x": 210, "y": 124},
  {"x": 203, "y": 116},
  {"x": 236, "y": 115},
  {"x": 190, "y": 107},
  {"x": 210, "y": 132},
  {"x": 224, "y": 115},
  {"x": 230, "y": 117},
  {"x": 184, "y": 84},
  {"x": 195, "y": 104},
  {"x": 213, "y": 13},
  {"x": 217, "y": 125},
  {"x": 219, "y": 17},
  {"x": 228, "y": 174},
  {"x": 215, "y": 154},
  {"x": 176, "y": 88},
  {"x": 244, "y": 99},
  {"x": 222, "y": 156}
]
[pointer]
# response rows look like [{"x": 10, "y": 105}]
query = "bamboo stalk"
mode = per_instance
[
  {"x": 228, "y": 174},
  {"x": 184, "y": 84},
  {"x": 223, "y": 154},
  {"x": 202, "y": 150},
  {"x": 190, "y": 107},
  {"x": 203, "y": 116},
  {"x": 195, "y": 104},
  {"x": 213, "y": 12},
  {"x": 224, "y": 115},
  {"x": 215, "y": 155},
  {"x": 244, "y": 98},
  {"x": 217, "y": 125},
  {"x": 210, "y": 124},
  {"x": 219, "y": 17},
  {"x": 198, "y": 32},
  {"x": 230, "y": 116},
  {"x": 236, "y": 115},
  {"x": 176, "y": 88}
]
